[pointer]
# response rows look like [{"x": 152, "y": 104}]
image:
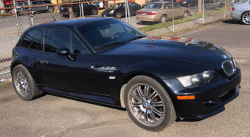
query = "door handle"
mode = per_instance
[{"x": 44, "y": 62}]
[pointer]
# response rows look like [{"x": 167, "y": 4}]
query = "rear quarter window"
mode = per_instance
[{"x": 33, "y": 40}]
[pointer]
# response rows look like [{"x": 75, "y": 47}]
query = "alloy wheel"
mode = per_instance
[
  {"x": 22, "y": 84},
  {"x": 246, "y": 18},
  {"x": 146, "y": 104},
  {"x": 163, "y": 19}
]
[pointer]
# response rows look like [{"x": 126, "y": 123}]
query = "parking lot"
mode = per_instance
[{"x": 52, "y": 115}]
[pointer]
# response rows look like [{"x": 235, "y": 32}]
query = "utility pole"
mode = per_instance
[{"x": 199, "y": 6}]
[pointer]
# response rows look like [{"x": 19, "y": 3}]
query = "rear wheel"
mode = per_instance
[
  {"x": 185, "y": 14},
  {"x": 245, "y": 18},
  {"x": 118, "y": 15},
  {"x": 163, "y": 19},
  {"x": 148, "y": 104},
  {"x": 24, "y": 84},
  {"x": 50, "y": 9},
  {"x": 94, "y": 12}
]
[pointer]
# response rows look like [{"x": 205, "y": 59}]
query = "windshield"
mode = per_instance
[
  {"x": 153, "y": 6},
  {"x": 115, "y": 6},
  {"x": 108, "y": 33}
]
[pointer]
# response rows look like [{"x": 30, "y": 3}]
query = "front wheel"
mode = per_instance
[
  {"x": 118, "y": 15},
  {"x": 94, "y": 12},
  {"x": 24, "y": 84},
  {"x": 148, "y": 104},
  {"x": 245, "y": 18}
]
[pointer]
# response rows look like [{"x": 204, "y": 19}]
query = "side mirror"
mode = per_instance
[{"x": 63, "y": 51}]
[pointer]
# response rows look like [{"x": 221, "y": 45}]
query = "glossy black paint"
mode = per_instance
[{"x": 163, "y": 59}]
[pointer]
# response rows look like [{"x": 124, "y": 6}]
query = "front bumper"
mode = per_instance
[
  {"x": 209, "y": 99},
  {"x": 108, "y": 14}
]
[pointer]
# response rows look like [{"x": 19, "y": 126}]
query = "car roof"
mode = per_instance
[{"x": 70, "y": 22}]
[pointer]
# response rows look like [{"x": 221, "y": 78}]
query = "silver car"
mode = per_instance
[{"x": 241, "y": 11}]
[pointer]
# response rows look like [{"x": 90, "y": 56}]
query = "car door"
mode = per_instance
[
  {"x": 34, "y": 3},
  {"x": 61, "y": 72},
  {"x": 132, "y": 8},
  {"x": 178, "y": 11},
  {"x": 168, "y": 10}
]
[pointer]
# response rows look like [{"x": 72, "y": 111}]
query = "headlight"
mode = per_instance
[
  {"x": 184, "y": 2},
  {"x": 199, "y": 79},
  {"x": 112, "y": 11}
]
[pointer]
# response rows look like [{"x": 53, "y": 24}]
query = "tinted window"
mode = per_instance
[
  {"x": 176, "y": 6},
  {"x": 153, "y": 6},
  {"x": 56, "y": 38},
  {"x": 33, "y": 40},
  {"x": 168, "y": 6},
  {"x": 34, "y": 3},
  {"x": 77, "y": 46}
]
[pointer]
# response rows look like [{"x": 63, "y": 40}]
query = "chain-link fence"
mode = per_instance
[{"x": 153, "y": 17}]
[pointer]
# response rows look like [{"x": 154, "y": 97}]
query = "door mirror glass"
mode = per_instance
[{"x": 63, "y": 51}]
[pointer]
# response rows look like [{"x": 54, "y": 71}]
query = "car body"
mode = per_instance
[
  {"x": 41, "y": 7},
  {"x": 241, "y": 11},
  {"x": 189, "y": 3},
  {"x": 161, "y": 11},
  {"x": 118, "y": 10},
  {"x": 87, "y": 9},
  {"x": 19, "y": 5},
  {"x": 108, "y": 61}
]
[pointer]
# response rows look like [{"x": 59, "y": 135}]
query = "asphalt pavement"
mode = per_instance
[{"x": 56, "y": 116}]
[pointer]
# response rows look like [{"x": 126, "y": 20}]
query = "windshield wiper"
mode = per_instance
[
  {"x": 110, "y": 45},
  {"x": 138, "y": 37}
]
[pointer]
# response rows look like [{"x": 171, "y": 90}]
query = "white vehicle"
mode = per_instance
[{"x": 241, "y": 11}]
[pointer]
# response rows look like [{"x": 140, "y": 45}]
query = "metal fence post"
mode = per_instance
[
  {"x": 32, "y": 18},
  {"x": 82, "y": 10},
  {"x": 17, "y": 23},
  {"x": 203, "y": 10},
  {"x": 129, "y": 21},
  {"x": 225, "y": 9},
  {"x": 173, "y": 13},
  {"x": 126, "y": 10}
]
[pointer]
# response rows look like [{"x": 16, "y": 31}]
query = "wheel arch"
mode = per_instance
[{"x": 133, "y": 74}]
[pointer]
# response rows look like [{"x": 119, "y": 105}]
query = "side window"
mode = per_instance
[
  {"x": 56, "y": 38},
  {"x": 33, "y": 40},
  {"x": 167, "y": 6},
  {"x": 77, "y": 46},
  {"x": 176, "y": 6}
]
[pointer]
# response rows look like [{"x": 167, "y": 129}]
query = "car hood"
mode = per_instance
[{"x": 176, "y": 48}]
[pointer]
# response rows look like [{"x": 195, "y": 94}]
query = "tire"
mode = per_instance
[
  {"x": 138, "y": 105},
  {"x": 144, "y": 22},
  {"x": 94, "y": 12},
  {"x": 29, "y": 90},
  {"x": 118, "y": 15},
  {"x": 163, "y": 19},
  {"x": 50, "y": 9},
  {"x": 76, "y": 14},
  {"x": 245, "y": 17},
  {"x": 185, "y": 14}
]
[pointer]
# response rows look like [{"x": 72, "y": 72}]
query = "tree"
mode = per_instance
[
  {"x": 2, "y": 6},
  {"x": 199, "y": 6}
]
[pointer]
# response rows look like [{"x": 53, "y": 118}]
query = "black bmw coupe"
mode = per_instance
[{"x": 105, "y": 60}]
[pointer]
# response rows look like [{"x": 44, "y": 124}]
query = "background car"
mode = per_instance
[
  {"x": 87, "y": 9},
  {"x": 19, "y": 5},
  {"x": 241, "y": 11},
  {"x": 189, "y": 3},
  {"x": 161, "y": 11},
  {"x": 41, "y": 8},
  {"x": 118, "y": 10}
]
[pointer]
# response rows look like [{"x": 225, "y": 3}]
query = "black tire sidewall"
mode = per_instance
[
  {"x": 119, "y": 15},
  {"x": 31, "y": 82},
  {"x": 163, "y": 94}
]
